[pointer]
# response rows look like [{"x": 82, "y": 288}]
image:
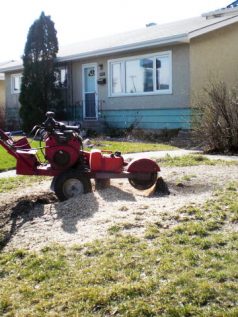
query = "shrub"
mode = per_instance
[
  {"x": 38, "y": 89},
  {"x": 216, "y": 118}
]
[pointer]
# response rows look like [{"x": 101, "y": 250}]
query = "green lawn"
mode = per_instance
[
  {"x": 8, "y": 162},
  {"x": 9, "y": 183},
  {"x": 191, "y": 160},
  {"x": 130, "y": 147},
  {"x": 187, "y": 269}
]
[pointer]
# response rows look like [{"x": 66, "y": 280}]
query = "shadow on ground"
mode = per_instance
[{"x": 14, "y": 215}]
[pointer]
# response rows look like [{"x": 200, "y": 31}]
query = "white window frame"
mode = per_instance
[
  {"x": 123, "y": 61},
  {"x": 13, "y": 78}
]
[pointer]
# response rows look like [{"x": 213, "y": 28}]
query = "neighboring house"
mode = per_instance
[
  {"x": 2, "y": 100},
  {"x": 2, "y": 91},
  {"x": 10, "y": 100},
  {"x": 146, "y": 77}
]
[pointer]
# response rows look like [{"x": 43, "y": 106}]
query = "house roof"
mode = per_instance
[
  {"x": 157, "y": 35},
  {"x": 11, "y": 66}
]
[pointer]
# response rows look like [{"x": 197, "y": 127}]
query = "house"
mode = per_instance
[
  {"x": 2, "y": 91},
  {"x": 9, "y": 104},
  {"x": 2, "y": 99},
  {"x": 145, "y": 78}
]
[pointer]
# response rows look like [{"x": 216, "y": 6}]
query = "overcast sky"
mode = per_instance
[{"x": 79, "y": 20}]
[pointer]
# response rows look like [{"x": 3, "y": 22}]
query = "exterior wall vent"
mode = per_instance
[{"x": 150, "y": 24}]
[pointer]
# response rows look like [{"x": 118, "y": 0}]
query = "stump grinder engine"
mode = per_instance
[{"x": 71, "y": 167}]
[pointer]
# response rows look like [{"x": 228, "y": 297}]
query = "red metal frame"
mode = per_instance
[{"x": 97, "y": 164}]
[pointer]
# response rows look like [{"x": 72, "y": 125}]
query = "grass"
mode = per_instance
[
  {"x": 188, "y": 269},
  {"x": 10, "y": 183},
  {"x": 130, "y": 147},
  {"x": 8, "y": 162},
  {"x": 191, "y": 160}
]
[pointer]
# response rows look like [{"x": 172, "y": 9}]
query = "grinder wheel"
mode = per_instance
[
  {"x": 143, "y": 184},
  {"x": 70, "y": 184}
]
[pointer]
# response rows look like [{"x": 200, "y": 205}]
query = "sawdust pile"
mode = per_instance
[{"x": 34, "y": 218}]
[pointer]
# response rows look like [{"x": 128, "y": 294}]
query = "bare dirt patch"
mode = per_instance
[{"x": 33, "y": 217}]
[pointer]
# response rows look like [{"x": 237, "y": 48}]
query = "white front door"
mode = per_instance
[{"x": 90, "y": 107}]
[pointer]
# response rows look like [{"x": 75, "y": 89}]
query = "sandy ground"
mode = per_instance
[{"x": 35, "y": 218}]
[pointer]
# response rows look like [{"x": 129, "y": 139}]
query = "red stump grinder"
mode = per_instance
[{"x": 73, "y": 168}]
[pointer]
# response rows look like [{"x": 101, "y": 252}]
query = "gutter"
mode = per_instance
[{"x": 18, "y": 67}]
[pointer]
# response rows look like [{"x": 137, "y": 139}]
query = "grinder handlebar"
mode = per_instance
[
  {"x": 50, "y": 124},
  {"x": 61, "y": 126}
]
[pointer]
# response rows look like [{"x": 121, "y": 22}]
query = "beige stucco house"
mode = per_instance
[
  {"x": 2, "y": 99},
  {"x": 2, "y": 90},
  {"x": 145, "y": 77}
]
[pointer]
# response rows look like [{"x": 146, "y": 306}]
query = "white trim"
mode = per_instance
[
  {"x": 95, "y": 65},
  {"x": 18, "y": 67},
  {"x": 13, "y": 76},
  {"x": 125, "y": 59}
]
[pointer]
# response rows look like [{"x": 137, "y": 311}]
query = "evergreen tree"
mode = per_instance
[{"x": 38, "y": 90}]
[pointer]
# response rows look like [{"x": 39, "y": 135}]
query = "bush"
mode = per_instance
[
  {"x": 39, "y": 93},
  {"x": 157, "y": 135},
  {"x": 133, "y": 132},
  {"x": 216, "y": 118}
]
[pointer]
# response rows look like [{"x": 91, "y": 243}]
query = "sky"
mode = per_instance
[{"x": 80, "y": 20}]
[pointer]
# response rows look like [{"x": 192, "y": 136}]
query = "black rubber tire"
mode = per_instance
[
  {"x": 71, "y": 183},
  {"x": 142, "y": 184}
]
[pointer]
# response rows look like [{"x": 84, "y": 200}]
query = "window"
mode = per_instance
[
  {"x": 139, "y": 75},
  {"x": 116, "y": 78},
  {"x": 149, "y": 74},
  {"x": 16, "y": 83},
  {"x": 61, "y": 77}
]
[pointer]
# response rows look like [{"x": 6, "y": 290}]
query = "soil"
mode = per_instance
[{"x": 32, "y": 218}]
